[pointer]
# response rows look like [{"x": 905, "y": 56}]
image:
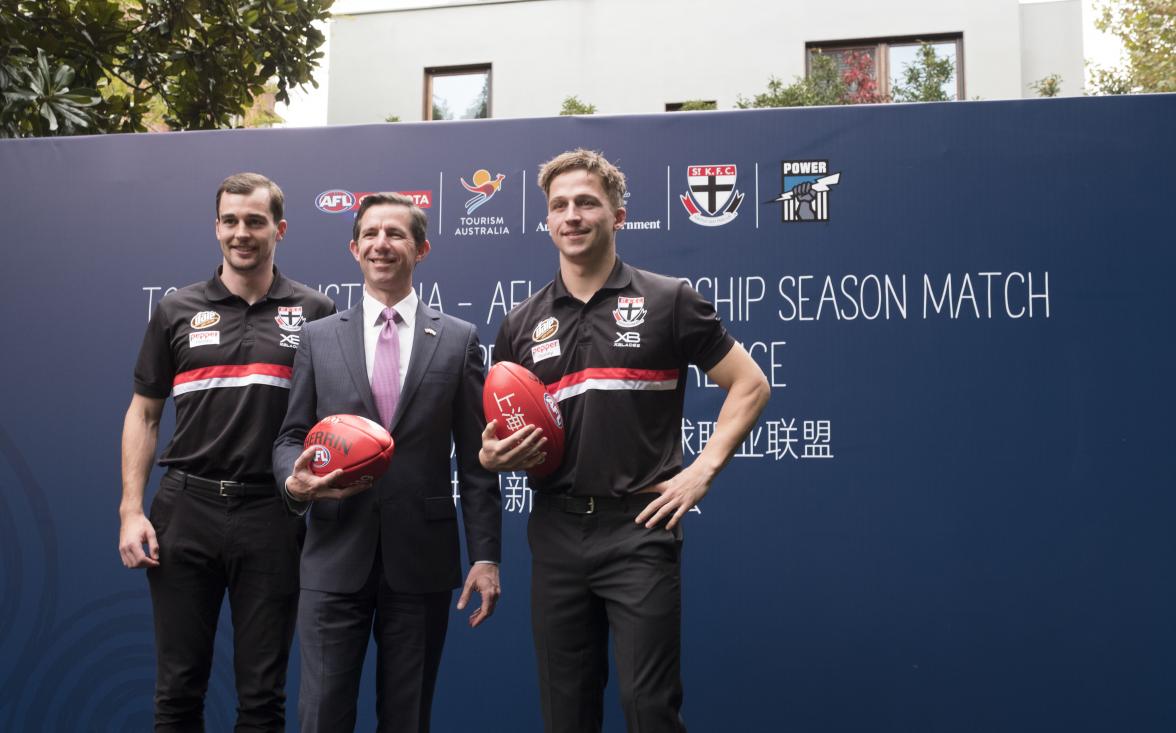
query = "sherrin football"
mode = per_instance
[
  {"x": 360, "y": 447},
  {"x": 516, "y": 398}
]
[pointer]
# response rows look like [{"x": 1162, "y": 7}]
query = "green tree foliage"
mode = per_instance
[
  {"x": 1048, "y": 86},
  {"x": 1104, "y": 81},
  {"x": 697, "y": 105},
  {"x": 1147, "y": 29},
  {"x": 925, "y": 79},
  {"x": 854, "y": 82},
  {"x": 573, "y": 106},
  {"x": 822, "y": 86},
  {"x": 37, "y": 98},
  {"x": 115, "y": 65}
]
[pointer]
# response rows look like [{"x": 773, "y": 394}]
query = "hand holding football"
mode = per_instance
[
  {"x": 360, "y": 447},
  {"x": 516, "y": 398}
]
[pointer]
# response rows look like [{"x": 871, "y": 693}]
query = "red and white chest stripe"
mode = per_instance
[
  {"x": 231, "y": 375},
  {"x": 614, "y": 379}
]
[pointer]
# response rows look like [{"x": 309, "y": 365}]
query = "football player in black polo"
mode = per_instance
[
  {"x": 613, "y": 344},
  {"x": 223, "y": 349}
]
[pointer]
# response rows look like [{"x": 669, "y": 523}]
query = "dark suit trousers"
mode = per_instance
[
  {"x": 333, "y": 632},
  {"x": 591, "y": 573},
  {"x": 208, "y": 545}
]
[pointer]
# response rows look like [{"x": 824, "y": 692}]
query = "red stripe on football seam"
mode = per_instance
[
  {"x": 641, "y": 375},
  {"x": 233, "y": 370}
]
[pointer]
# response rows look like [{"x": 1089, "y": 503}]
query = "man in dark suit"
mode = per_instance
[{"x": 388, "y": 552}]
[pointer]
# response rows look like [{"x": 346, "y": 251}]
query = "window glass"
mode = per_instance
[
  {"x": 903, "y": 55},
  {"x": 461, "y": 96}
]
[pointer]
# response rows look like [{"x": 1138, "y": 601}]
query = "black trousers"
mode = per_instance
[
  {"x": 210, "y": 544},
  {"x": 592, "y": 573},
  {"x": 333, "y": 633}
]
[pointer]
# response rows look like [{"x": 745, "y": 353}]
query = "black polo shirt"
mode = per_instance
[
  {"x": 227, "y": 365},
  {"x": 618, "y": 366}
]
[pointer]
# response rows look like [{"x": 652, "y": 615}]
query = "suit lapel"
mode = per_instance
[
  {"x": 424, "y": 345},
  {"x": 351, "y": 346}
]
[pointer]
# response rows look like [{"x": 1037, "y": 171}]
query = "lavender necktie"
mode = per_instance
[{"x": 386, "y": 370}]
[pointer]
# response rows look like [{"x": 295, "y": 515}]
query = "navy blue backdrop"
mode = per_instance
[{"x": 956, "y": 513}]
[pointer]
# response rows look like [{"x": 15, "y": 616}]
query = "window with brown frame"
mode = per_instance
[
  {"x": 891, "y": 56},
  {"x": 457, "y": 92}
]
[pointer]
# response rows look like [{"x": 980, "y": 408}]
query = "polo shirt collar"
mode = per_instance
[
  {"x": 280, "y": 288},
  {"x": 618, "y": 279}
]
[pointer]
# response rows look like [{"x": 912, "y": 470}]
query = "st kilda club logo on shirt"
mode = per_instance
[
  {"x": 630, "y": 312},
  {"x": 289, "y": 317}
]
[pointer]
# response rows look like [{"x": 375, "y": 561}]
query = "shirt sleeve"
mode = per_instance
[
  {"x": 503, "y": 344},
  {"x": 702, "y": 339},
  {"x": 328, "y": 308},
  {"x": 155, "y": 369}
]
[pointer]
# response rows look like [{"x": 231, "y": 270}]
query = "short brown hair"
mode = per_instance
[
  {"x": 589, "y": 160},
  {"x": 419, "y": 223},
  {"x": 244, "y": 184}
]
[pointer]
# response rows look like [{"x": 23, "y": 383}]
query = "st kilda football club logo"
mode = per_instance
[
  {"x": 553, "y": 409},
  {"x": 630, "y": 312},
  {"x": 711, "y": 198},
  {"x": 289, "y": 317}
]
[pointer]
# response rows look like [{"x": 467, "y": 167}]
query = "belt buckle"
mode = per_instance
[
  {"x": 224, "y": 485},
  {"x": 591, "y": 505}
]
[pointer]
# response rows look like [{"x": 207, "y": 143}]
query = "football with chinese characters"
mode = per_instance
[
  {"x": 360, "y": 447},
  {"x": 516, "y": 398}
]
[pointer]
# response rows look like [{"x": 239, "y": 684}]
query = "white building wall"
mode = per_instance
[
  {"x": 1051, "y": 43},
  {"x": 634, "y": 56}
]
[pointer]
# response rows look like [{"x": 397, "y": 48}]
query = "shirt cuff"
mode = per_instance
[
  {"x": 296, "y": 507},
  {"x": 485, "y": 562}
]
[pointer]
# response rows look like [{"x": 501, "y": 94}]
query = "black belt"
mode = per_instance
[
  {"x": 594, "y": 504},
  {"x": 223, "y": 488}
]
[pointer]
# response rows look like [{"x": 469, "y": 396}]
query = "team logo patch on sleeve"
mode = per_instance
[
  {"x": 289, "y": 317},
  {"x": 630, "y": 312},
  {"x": 545, "y": 329},
  {"x": 204, "y": 319}
]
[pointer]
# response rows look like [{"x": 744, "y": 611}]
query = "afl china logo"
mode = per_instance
[
  {"x": 545, "y": 329},
  {"x": 204, "y": 319},
  {"x": 335, "y": 201}
]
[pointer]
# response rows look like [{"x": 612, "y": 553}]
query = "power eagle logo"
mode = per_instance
[
  {"x": 805, "y": 190},
  {"x": 711, "y": 198}
]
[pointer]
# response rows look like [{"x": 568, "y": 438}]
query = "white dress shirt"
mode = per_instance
[{"x": 373, "y": 324}]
